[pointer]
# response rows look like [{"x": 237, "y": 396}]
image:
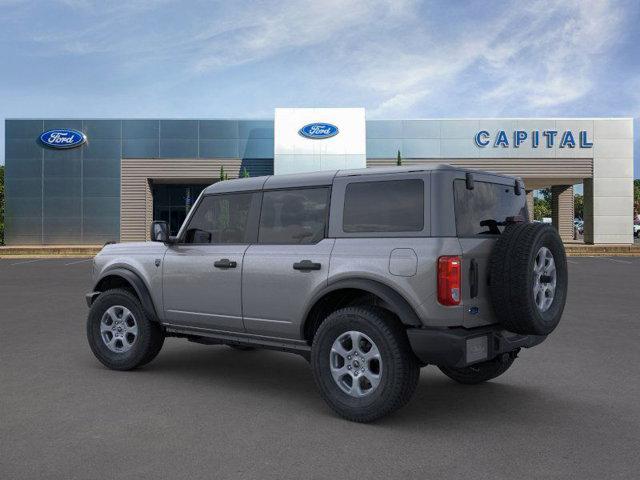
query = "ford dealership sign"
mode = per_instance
[
  {"x": 318, "y": 130},
  {"x": 62, "y": 138},
  {"x": 535, "y": 138}
]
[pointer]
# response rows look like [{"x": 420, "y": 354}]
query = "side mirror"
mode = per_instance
[{"x": 160, "y": 231}]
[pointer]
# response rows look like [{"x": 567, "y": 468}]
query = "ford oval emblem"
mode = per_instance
[
  {"x": 318, "y": 130},
  {"x": 62, "y": 138}
]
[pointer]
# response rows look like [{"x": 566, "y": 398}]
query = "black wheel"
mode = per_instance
[
  {"x": 480, "y": 372},
  {"x": 120, "y": 334},
  {"x": 363, "y": 364},
  {"x": 242, "y": 348},
  {"x": 528, "y": 278}
]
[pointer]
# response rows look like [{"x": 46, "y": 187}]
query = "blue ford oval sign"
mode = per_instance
[
  {"x": 63, "y": 138},
  {"x": 318, "y": 130}
]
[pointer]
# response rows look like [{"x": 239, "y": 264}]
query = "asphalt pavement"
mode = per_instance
[{"x": 569, "y": 408}]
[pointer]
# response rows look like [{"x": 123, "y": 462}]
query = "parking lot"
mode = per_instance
[{"x": 569, "y": 408}]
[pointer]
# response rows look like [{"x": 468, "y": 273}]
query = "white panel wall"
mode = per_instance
[
  {"x": 294, "y": 153},
  {"x": 613, "y": 181}
]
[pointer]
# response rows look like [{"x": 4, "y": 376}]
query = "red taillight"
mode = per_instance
[{"x": 449, "y": 280}]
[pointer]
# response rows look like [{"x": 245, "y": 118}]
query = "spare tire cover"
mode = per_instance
[{"x": 528, "y": 278}]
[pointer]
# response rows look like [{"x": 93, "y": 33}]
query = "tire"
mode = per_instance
[
  {"x": 528, "y": 278},
  {"x": 480, "y": 372},
  {"x": 127, "y": 350},
  {"x": 394, "y": 371}
]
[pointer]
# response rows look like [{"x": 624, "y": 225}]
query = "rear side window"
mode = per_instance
[
  {"x": 483, "y": 210},
  {"x": 220, "y": 219},
  {"x": 386, "y": 206},
  {"x": 297, "y": 216}
]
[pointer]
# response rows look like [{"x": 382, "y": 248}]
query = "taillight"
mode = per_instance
[{"x": 449, "y": 280}]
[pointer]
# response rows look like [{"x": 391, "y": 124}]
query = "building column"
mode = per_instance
[
  {"x": 588, "y": 210},
  {"x": 530, "y": 204},
  {"x": 562, "y": 210}
]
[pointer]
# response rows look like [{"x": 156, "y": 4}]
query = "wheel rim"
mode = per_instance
[
  {"x": 118, "y": 329},
  {"x": 544, "y": 279},
  {"x": 356, "y": 364}
]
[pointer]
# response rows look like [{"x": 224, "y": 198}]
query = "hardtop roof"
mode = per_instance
[{"x": 326, "y": 177}]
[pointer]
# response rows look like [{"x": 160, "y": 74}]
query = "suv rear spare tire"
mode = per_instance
[{"x": 528, "y": 278}]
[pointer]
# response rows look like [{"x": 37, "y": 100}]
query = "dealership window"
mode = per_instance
[
  {"x": 386, "y": 206},
  {"x": 296, "y": 216},
  {"x": 481, "y": 211},
  {"x": 220, "y": 219}
]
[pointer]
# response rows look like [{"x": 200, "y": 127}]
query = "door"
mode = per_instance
[
  {"x": 202, "y": 274},
  {"x": 481, "y": 214},
  {"x": 289, "y": 263}
]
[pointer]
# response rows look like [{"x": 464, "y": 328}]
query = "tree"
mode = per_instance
[
  {"x": 223, "y": 174},
  {"x": 399, "y": 159},
  {"x": 541, "y": 208},
  {"x": 244, "y": 173},
  {"x": 578, "y": 206},
  {"x": 1, "y": 204}
]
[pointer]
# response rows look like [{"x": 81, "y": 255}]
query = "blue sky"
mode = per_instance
[{"x": 399, "y": 59}]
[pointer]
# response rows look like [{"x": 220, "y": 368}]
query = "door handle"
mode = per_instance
[
  {"x": 473, "y": 278},
  {"x": 306, "y": 265},
  {"x": 225, "y": 263}
]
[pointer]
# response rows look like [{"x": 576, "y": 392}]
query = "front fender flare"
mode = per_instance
[{"x": 138, "y": 285}]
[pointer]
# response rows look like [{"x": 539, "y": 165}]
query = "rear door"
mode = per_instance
[
  {"x": 289, "y": 262},
  {"x": 480, "y": 213}
]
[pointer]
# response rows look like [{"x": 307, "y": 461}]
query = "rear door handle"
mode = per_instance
[
  {"x": 473, "y": 278},
  {"x": 306, "y": 265},
  {"x": 225, "y": 263}
]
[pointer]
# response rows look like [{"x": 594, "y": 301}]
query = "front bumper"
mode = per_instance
[
  {"x": 460, "y": 347},
  {"x": 90, "y": 297}
]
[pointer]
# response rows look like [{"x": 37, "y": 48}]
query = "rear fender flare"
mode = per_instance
[{"x": 396, "y": 302}]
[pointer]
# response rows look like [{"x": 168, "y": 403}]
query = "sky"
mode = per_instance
[{"x": 242, "y": 59}]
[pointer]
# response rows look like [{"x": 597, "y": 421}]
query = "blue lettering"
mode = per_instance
[
  {"x": 519, "y": 136},
  {"x": 481, "y": 138},
  {"x": 584, "y": 141},
  {"x": 535, "y": 139},
  {"x": 567, "y": 140},
  {"x": 501, "y": 139},
  {"x": 550, "y": 134}
]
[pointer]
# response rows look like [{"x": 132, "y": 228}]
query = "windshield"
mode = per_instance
[{"x": 484, "y": 210}]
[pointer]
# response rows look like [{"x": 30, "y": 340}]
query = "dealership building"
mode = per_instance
[{"x": 89, "y": 181}]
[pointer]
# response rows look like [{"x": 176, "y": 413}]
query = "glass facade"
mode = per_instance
[{"x": 73, "y": 196}]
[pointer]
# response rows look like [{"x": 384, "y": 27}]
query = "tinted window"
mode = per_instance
[
  {"x": 221, "y": 219},
  {"x": 489, "y": 204},
  {"x": 389, "y": 206},
  {"x": 294, "y": 216}
]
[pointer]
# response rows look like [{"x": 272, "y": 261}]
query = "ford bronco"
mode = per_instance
[{"x": 369, "y": 274}]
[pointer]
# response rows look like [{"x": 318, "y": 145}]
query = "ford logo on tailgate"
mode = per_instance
[
  {"x": 62, "y": 138},
  {"x": 318, "y": 130}
]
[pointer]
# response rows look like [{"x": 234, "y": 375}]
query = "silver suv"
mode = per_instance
[{"x": 369, "y": 274}]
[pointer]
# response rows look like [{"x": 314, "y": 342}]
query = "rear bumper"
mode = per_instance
[{"x": 459, "y": 347}]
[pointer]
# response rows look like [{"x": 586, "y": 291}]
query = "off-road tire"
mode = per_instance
[
  {"x": 399, "y": 374},
  {"x": 148, "y": 342},
  {"x": 480, "y": 372},
  {"x": 512, "y": 277}
]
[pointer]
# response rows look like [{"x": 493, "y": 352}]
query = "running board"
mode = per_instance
[{"x": 209, "y": 337}]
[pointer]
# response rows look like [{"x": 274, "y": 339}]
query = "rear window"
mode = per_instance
[
  {"x": 483, "y": 210},
  {"x": 387, "y": 206},
  {"x": 297, "y": 216}
]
